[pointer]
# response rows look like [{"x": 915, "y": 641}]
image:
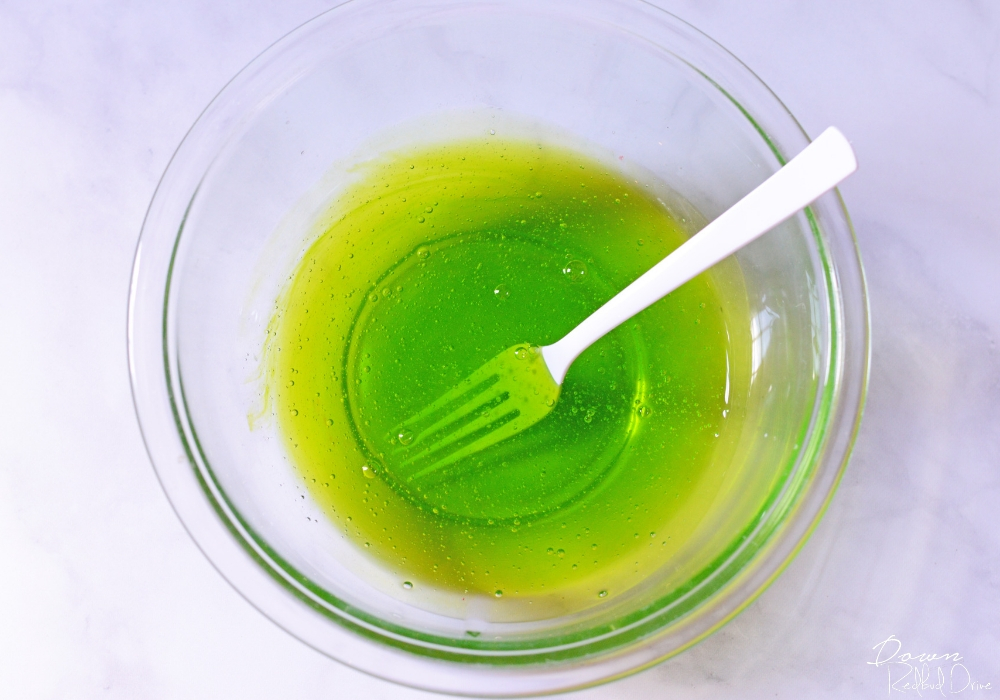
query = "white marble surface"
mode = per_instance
[{"x": 102, "y": 594}]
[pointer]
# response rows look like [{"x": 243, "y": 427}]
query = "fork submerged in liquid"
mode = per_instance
[{"x": 520, "y": 386}]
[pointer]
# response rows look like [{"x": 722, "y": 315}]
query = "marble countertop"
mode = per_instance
[{"x": 102, "y": 593}]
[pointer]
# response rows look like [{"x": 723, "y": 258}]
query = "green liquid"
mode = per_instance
[{"x": 433, "y": 262}]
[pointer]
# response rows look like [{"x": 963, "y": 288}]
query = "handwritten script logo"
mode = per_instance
[{"x": 924, "y": 673}]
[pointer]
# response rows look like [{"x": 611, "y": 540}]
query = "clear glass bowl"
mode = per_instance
[{"x": 229, "y": 221}]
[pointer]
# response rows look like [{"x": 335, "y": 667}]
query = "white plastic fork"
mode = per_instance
[
  {"x": 820, "y": 167},
  {"x": 521, "y": 385}
]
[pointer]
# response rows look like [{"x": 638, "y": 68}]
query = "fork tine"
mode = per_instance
[
  {"x": 513, "y": 414},
  {"x": 494, "y": 424},
  {"x": 434, "y": 436},
  {"x": 453, "y": 420},
  {"x": 459, "y": 396},
  {"x": 497, "y": 401}
]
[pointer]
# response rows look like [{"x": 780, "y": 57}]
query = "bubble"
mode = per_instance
[
  {"x": 423, "y": 252},
  {"x": 550, "y": 402},
  {"x": 492, "y": 132},
  {"x": 329, "y": 421},
  {"x": 295, "y": 412},
  {"x": 522, "y": 352},
  {"x": 643, "y": 411},
  {"x": 575, "y": 270},
  {"x": 640, "y": 241},
  {"x": 368, "y": 471},
  {"x": 502, "y": 291},
  {"x": 560, "y": 553},
  {"x": 405, "y": 437},
  {"x": 602, "y": 594},
  {"x": 373, "y": 297},
  {"x": 550, "y": 551},
  {"x": 407, "y": 585},
  {"x": 429, "y": 209},
  {"x": 499, "y": 594},
  {"x": 420, "y": 219}
]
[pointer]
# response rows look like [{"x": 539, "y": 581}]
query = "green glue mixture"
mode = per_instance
[{"x": 431, "y": 263}]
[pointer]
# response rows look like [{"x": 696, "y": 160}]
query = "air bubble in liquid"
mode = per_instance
[{"x": 575, "y": 270}]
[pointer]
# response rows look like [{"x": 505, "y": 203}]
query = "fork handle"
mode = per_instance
[{"x": 818, "y": 168}]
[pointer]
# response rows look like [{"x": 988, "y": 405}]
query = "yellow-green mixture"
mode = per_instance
[{"x": 429, "y": 265}]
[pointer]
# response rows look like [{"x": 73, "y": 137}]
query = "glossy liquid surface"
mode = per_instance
[{"x": 429, "y": 265}]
